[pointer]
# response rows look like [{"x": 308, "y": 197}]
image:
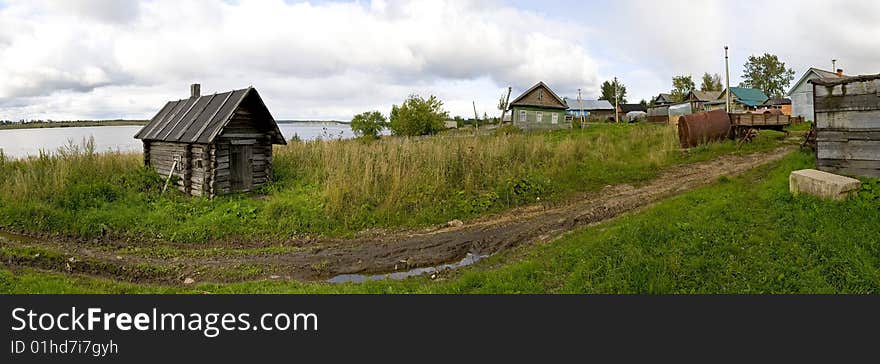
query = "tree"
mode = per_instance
[
  {"x": 502, "y": 104},
  {"x": 711, "y": 82},
  {"x": 368, "y": 124},
  {"x": 644, "y": 103},
  {"x": 608, "y": 91},
  {"x": 417, "y": 116},
  {"x": 681, "y": 86},
  {"x": 767, "y": 74}
]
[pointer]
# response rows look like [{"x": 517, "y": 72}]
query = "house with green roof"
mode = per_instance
[{"x": 742, "y": 99}]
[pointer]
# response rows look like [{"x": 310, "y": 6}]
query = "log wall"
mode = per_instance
[{"x": 193, "y": 165}]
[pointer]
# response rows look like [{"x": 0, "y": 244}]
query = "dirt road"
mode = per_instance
[{"x": 318, "y": 259}]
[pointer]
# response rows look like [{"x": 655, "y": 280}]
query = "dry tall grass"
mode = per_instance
[
  {"x": 393, "y": 172},
  {"x": 334, "y": 187}
]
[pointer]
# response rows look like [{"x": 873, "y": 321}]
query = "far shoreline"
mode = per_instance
[
  {"x": 90, "y": 123},
  {"x": 71, "y": 124}
]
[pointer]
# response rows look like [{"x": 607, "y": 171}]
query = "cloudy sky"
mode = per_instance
[{"x": 100, "y": 59}]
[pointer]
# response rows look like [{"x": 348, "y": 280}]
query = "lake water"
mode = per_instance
[{"x": 19, "y": 143}]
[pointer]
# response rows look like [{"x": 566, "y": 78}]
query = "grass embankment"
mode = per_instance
[
  {"x": 337, "y": 188},
  {"x": 70, "y": 124},
  {"x": 740, "y": 235}
]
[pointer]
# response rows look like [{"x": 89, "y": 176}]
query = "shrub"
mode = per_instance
[
  {"x": 368, "y": 124},
  {"x": 418, "y": 116}
]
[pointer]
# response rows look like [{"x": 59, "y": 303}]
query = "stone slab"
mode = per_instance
[{"x": 822, "y": 184}]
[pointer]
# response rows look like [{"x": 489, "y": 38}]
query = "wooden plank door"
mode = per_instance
[{"x": 241, "y": 168}]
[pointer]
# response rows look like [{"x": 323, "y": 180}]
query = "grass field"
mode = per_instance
[
  {"x": 740, "y": 235},
  {"x": 337, "y": 188}
]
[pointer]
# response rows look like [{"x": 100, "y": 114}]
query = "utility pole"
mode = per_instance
[
  {"x": 616, "y": 100},
  {"x": 476, "y": 117},
  {"x": 581, "y": 109},
  {"x": 727, "y": 77}
]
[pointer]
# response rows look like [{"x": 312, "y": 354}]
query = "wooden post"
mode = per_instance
[{"x": 173, "y": 167}]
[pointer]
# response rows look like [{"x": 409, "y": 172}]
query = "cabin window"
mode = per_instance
[
  {"x": 177, "y": 162},
  {"x": 541, "y": 95},
  {"x": 199, "y": 164},
  {"x": 523, "y": 116},
  {"x": 539, "y": 116},
  {"x": 554, "y": 119}
]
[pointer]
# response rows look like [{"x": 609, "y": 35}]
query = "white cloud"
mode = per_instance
[
  {"x": 308, "y": 60},
  {"x": 107, "y": 59}
]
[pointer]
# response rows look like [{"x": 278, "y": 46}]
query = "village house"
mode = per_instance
[
  {"x": 801, "y": 93},
  {"x": 699, "y": 98},
  {"x": 539, "y": 108},
  {"x": 664, "y": 99},
  {"x": 781, "y": 104},
  {"x": 213, "y": 144},
  {"x": 592, "y": 110},
  {"x": 742, "y": 99}
]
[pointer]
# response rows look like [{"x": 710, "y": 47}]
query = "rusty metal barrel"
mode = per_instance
[{"x": 696, "y": 129}]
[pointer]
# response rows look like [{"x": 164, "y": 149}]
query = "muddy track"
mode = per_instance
[{"x": 318, "y": 259}]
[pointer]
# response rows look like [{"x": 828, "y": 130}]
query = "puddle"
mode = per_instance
[{"x": 357, "y": 278}]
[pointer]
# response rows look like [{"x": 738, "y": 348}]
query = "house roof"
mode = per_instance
[
  {"x": 706, "y": 95},
  {"x": 627, "y": 108},
  {"x": 778, "y": 101},
  {"x": 820, "y": 73},
  {"x": 519, "y": 99},
  {"x": 589, "y": 105},
  {"x": 201, "y": 119},
  {"x": 749, "y": 96},
  {"x": 665, "y": 97}
]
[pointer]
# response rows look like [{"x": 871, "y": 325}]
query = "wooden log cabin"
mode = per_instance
[
  {"x": 214, "y": 144},
  {"x": 847, "y": 115}
]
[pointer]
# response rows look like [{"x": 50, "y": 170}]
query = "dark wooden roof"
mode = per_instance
[
  {"x": 200, "y": 120},
  {"x": 626, "y": 108}
]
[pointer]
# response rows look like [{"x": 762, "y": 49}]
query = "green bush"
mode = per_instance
[
  {"x": 418, "y": 116},
  {"x": 368, "y": 124}
]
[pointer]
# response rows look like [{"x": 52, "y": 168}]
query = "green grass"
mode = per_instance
[
  {"x": 337, "y": 188},
  {"x": 741, "y": 235}
]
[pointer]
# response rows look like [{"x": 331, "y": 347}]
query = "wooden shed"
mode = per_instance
[
  {"x": 214, "y": 144},
  {"x": 847, "y": 115}
]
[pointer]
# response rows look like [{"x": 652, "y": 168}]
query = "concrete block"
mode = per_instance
[{"x": 822, "y": 184}]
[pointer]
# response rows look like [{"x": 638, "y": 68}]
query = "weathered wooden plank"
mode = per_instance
[
  {"x": 243, "y": 135},
  {"x": 866, "y": 102},
  {"x": 851, "y": 171},
  {"x": 829, "y": 135},
  {"x": 852, "y": 88},
  {"x": 853, "y": 149},
  {"x": 243, "y": 141},
  {"x": 852, "y": 120}
]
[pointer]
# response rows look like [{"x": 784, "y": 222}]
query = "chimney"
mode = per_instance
[
  {"x": 840, "y": 72},
  {"x": 195, "y": 90}
]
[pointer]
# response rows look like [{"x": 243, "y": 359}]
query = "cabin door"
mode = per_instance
[{"x": 241, "y": 168}]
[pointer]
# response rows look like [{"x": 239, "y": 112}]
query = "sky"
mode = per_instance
[{"x": 329, "y": 60}]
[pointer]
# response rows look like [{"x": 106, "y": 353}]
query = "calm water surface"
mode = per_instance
[{"x": 19, "y": 143}]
